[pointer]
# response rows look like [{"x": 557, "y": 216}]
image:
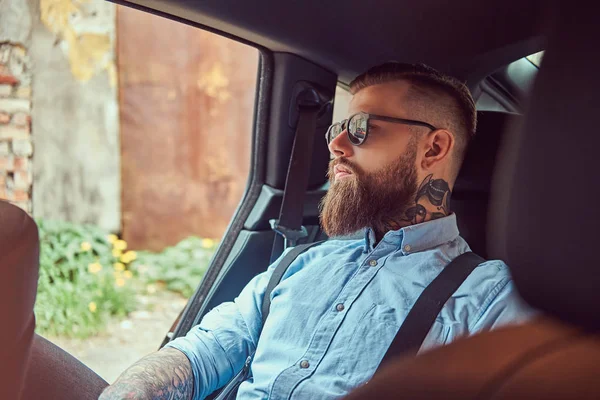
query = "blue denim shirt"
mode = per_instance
[{"x": 336, "y": 311}]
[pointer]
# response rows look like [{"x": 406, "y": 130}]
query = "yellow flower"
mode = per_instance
[
  {"x": 86, "y": 246},
  {"x": 127, "y": 274},
  {"x": 128, "y": 257},
  {"x": 120, "y": 245},
  {"x": 207, "y": 243},
  {"x": 112, "y": 238},
  {"x": 119, "y": 266},
  {"x": 93, "y": 307},
  {"x": 117, "y": 253},
  {"x": 151, "y": 289},
  {"x": 94, "y": 268},
  {"x": 120, "y": 282}
]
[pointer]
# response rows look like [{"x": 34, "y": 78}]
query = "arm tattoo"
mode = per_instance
[
  {"x": 166, "y": 374},
  {"x": 431, "y": 201}
]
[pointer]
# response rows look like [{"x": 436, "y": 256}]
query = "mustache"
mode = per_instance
[{"x": 349, "y": 165}]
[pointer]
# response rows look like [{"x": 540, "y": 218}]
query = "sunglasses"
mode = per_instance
[{"x": 357, "y": 126}]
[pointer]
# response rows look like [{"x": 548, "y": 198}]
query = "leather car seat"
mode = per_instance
[{"x": 19, "y": 263}]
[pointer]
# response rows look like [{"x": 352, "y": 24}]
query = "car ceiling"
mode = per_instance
[{"x": 469, "y": 39}]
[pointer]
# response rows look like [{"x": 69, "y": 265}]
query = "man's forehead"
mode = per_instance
[{"x": 385, "y": 99}]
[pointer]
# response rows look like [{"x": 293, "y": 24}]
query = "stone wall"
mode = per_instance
[
  {"x": 59, "y": 114},
  {"x": 16, "y": 146},
  {"x": 75, "y": 116}
]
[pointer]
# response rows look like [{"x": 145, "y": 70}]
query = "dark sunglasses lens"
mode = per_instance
[
  {"x": 333, "y": 132},
  {"x": 357, "y": 128}
]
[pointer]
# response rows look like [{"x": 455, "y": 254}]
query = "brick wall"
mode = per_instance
[{"x": 16, "y": 148}]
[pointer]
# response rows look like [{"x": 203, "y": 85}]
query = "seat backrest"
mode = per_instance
[
  {"x": 471, "y": 193},
  {"x": 19, "y": 263},
  {"x": 544, "y": 216}
]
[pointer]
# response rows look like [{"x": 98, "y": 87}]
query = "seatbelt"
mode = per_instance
[
  {"x": 278, "y": 274},
  {"x": 422, "y": 315},
  {"x": 229, "y": 391},
  {"x": 288, "y": 226}
]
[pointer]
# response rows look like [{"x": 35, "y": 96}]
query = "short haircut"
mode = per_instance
[{"x": 451, "y": 99}]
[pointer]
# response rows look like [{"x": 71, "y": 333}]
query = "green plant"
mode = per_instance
[
  {"x": 180, "y": 267},
  {"x": 83, "y": 279}
]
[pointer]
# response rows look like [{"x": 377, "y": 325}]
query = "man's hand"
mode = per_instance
[{"x": 166, "y": 374}]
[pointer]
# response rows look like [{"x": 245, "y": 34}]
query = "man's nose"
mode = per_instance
[{"x": 341, "y": 146}]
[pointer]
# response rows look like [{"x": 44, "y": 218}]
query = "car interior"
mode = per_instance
[{"x": 519, "y": 196}]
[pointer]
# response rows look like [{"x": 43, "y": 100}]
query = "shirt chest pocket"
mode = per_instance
[{"x": 371, "y": 337}]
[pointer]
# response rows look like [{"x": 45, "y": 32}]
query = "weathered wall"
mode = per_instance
[
  {"x": 187, "y": 101},
  {"x": 75, "y": 112},
  {"x": 15, "y": 104}
]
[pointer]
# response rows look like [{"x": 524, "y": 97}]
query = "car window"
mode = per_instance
[
  {"x": 127, "y": 136},
  {"x": 506, "y": 88},
  {"x": 536, "y": 58},
  {"x": 341, "y": 102}
]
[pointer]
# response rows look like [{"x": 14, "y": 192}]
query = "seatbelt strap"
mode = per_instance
[
  {"x": 229, "y": 391},
  {"x": 278, "y": 274},
  {"x": 289, "y": 227},
  {"x": 422, "y": 315}
]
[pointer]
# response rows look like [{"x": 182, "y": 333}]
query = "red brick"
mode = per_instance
[
  {"x": 8, "y": 79},
  {"x": 20, "y": 195},
  {"x": 7, "y": 163},
  {"x": 4, "y": 118},
  {"x": 21, "y": 164}
]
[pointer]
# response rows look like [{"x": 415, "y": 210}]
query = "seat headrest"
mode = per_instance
[
  {"x": 545, "y": 218},
  {"x": 478, "y": 166},
  {"x": 470, "y": 196}
]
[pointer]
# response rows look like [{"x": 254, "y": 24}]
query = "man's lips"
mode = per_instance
[{"x": 339, "y": 171}]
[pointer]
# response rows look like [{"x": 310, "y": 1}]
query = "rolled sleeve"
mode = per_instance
[
  {"x": 504, "y": 306},
  {"x": 218, "y": 347}
]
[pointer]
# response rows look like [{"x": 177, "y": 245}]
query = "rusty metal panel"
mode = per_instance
[{"x": 186, "y": 109}]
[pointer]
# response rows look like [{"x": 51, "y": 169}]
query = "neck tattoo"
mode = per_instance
[{"x": 432, "y": 201}]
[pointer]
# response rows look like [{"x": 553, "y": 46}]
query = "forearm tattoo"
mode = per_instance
[{"x": 166, "y": 374}]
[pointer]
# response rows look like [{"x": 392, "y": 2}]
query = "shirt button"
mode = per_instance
[
  {"x": 340, "y": 307},
  {"x": 373, "y": 263},
  {"x": 304, "y": 364},
  {"x": 407, "y": 248}
]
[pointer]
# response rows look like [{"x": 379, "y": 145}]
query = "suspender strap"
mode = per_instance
[
  {"x": 421, "y": 317},
  {"x": 278, "y": 273}
]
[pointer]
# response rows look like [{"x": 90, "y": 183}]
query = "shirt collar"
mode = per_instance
[{"x": 419, "y": 237}]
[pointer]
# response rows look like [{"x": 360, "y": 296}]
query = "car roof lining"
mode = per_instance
[{"x": 466, "y": 38}]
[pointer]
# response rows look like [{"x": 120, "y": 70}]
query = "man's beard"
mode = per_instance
[{"x": 377, "y": 200}]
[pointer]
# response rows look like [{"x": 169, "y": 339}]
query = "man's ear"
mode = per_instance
[{"x": 438, "y": 145}]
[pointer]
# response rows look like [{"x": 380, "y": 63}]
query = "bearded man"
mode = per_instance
[{"x": 340, "y": 304}]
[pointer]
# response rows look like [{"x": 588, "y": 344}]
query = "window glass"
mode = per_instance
[
  {"x": 536, "y": 58},
  {"x": 132, "y": 161},
  {"x": 341, "y": 103}
]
